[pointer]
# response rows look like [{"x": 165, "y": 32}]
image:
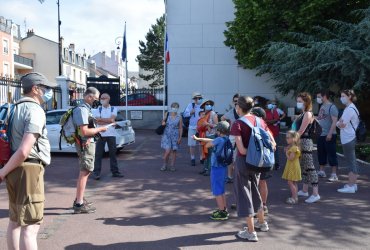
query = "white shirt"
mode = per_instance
[
  {"x": 348, "y": 133},
  {"x": 106, "y": 113}
]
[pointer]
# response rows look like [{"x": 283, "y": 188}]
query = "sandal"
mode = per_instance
[{"x": 291, "y": 201}]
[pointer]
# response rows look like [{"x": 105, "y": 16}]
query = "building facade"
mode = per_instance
[
  {"x": 112, "y": 64},
  {"x": 200, "y": 61}
]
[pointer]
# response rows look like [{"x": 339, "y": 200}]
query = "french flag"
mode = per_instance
[{"x": 167, "y": 50}]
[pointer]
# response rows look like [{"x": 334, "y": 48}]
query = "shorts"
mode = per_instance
[
  {"x": 86, "y": 157},
  {"x": 218, "y": 176},
  {"x": 191, "y": 141},
  {"x": 265, "y": 175},
  {"x": 25, "y": 185}
]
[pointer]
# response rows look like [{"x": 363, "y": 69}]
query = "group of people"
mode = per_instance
[
  {"x": 24, "y": 172},
  {"x": 250, "y": 187}
]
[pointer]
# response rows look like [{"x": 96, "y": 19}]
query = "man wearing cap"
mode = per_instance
[
  {"x": 192, "y": 111},
  {"x": 24, "y": 172}
]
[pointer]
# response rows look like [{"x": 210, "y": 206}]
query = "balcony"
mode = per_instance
[{"x": 21, "y": 62}]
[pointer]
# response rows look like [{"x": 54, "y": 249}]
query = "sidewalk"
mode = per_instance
[{"x": 150, "y": 209}]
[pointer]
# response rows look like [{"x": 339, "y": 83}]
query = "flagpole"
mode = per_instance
[
  {"x": 124, "y": 47},
  {"x": 164, "y": 58}
]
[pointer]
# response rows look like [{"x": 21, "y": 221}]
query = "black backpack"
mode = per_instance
[
  {"x": 361, "y": 128},
  {"x": 225, "y": 154},
  {"x": 186, "y": 119}
]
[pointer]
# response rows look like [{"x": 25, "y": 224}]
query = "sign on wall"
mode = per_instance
[{"x": 136, "y": 115}]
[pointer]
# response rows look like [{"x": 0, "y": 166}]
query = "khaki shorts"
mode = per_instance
[
  {"x": 25, "y": 186},
  {"x": 86, "y": 157}
]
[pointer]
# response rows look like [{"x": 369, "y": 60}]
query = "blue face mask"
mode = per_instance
[
  {"x": 208, "y": 107},
  {"x": 48, "y": 94}
]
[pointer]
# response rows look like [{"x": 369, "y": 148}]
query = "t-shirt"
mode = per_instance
[
  {"x": 239, "y": 128},
  {"x": 348, "y": 133},
  {"x": 82, "y": 116},
  {"x": 230, "y": 115},
  {"x": 194, "y": 117},
  {"x": 326, "y": 111},
  {"x": 106, "y": 113},
  {"x": 29, "y": 117},
  {"x": 218, "y": 144},
  {"x": 273, "y": 115}
]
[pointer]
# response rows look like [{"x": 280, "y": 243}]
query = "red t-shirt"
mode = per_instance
[
  {"x": 239, "y": 128},
  {"x": 273, "y": 115}
]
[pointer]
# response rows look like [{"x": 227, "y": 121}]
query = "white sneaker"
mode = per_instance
[
  {"x": 303, "y": 194},
  {"x": 313, "y": 199},
  {"x": 264, "y": 227},
  {"x": 245, "y": 235},
  {"x": 355, "y": 185},
  {"x": 347, "y": 189},
  {"x": 333, "y": 178},
  {"x": 321, "y": 174}
]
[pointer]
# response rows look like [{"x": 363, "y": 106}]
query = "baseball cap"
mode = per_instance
[
  {"x": 35, "y": 78},
  {"x": 223, "y": 127}
]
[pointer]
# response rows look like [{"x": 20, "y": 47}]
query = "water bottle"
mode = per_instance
[{"x": 3, "y": 135}]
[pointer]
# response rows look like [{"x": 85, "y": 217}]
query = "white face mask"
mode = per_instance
[
  {"x": 104, "y": 102},
  {"x": 319, "y": 100},
  {"x": 48, "y": 95},
  {"x": 344, "y": 100},
  {"x": 300, "y": 105},
  {"x": 270, "y": 106},
  {"x": 174, "y": 110}
]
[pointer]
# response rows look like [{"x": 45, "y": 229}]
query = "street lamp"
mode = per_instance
[
  {"x": 118, "y": 41},
  {"x": 59, "y": 42}
]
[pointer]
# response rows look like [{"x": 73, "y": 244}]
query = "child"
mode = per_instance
[
  {"x": 202, "y": 129},
  {"x": 292, "y": 171},
  {"x": 218, "y": 170},
  {"x": 171, "y": 138}
]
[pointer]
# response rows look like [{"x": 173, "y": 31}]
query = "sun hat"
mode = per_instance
[
  {"x": 204, "y": 103},
  {"x": 196, "y": 95}
]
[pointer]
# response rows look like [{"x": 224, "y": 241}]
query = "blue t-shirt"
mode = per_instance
[{"x": 218, "y": 144}]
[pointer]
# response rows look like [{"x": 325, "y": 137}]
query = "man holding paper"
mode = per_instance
[{"x": 105, "y": 115}]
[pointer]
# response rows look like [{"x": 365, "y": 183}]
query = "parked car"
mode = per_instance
[
  {"x": 140, "y": 99},
  {"x": 125, "y": 133}
]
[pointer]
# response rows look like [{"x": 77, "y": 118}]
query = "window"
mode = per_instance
[
  {"x": 74, "y": 74},
  {"x": 54, "y": 117},
  {"x": 5, "y": 46},
  {"x": 6, "y": 70},
  {"x": 81, "y": 76}
]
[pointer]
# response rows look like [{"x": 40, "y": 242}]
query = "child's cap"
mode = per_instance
[{"x": 223, "y": 127}]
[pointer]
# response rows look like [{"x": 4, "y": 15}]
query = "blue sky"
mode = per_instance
[{"x": 92, "y": 25}]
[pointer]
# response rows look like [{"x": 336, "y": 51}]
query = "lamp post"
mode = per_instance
[
  {"x": 59, "y": 42},
  {"x": 118, "y": 42}
]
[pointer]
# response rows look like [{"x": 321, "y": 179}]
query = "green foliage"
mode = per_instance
[
  {"x": 152, "y": 53},
  {"x": 336, "y": 57},
  {"x": 258, "y": 22}
]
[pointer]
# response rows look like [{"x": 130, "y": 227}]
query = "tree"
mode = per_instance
[
  {"x": 258, "y": 22},
  {"x": 152, "y": 53},
  {"x": 335, "y": 57}
]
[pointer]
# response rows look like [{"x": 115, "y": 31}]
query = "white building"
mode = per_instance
[
  {"x": 200, "y": 61},
  {"x": 112, "y": 64}
]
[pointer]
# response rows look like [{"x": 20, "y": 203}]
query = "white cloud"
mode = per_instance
[{"x": 92, "y": 25}]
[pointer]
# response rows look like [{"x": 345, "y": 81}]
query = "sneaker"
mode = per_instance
[
  {"x": 87, "y": 203},
  {"x": 172, "y": 169},
  {"x": 245, "y": 235},
  {"x": 229, "y": 179},
  {"x": 163, "y": 168},
  {"x": 347, "y": 189},
  {"x": 333, "y": 178},
  {"x": 117, "y": 175},
  {"x": 355, "y": 185},
  {"x": 83, "y": 209},
  {"x": 219, "y": 215},
  {"x": 192, "y": 162},
  {"x": 321, "y": 174},
  {"x": 263, "y": 227},
  {"x": 313, "y": 199},
  {"x": 303, "y": 194}
]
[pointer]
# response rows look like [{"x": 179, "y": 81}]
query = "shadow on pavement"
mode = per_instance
[
  {"x": 170, "y": 243},
  {"x": 4, "y": 213}
]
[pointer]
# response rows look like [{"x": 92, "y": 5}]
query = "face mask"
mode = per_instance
[
  {"x": 299, "y": 105},
  {"x": 344, "y": 100},
  {"x": 48, "y": 94},
  {"x": 270, "y": 106},
  {"x": 174, "y": 110},
  {"x": 104, "y": 102},
  {"x": 319, "y": 100},
  {"x": 274, "y": 106},
  {"x": 255, "y": 102},
  {"x": 95, "y": 104},
  {"x": 208, "y": 107}
]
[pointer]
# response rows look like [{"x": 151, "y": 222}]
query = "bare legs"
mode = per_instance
[
  {"x": 22, "y": 238},
  {"x": 250, "y": 220},
  {"x": 315, "y": 189},
  {"x": 263, "y": 191},
  {"x": 293, "y": 189},
  {"x": 221, "y": 202},
  {"x": 81, "y": 185},
  {"x": 352, "y": 178}
]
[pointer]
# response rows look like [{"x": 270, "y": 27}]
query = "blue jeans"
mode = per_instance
[{"x": 99, "y": 152}]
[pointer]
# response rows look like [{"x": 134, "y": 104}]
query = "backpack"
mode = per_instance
[
  {"x": 6, "y": 118},
  {"x": 68, "y": 129},
  {"x": 101, "y": 108},
  {"x": 361, "y": 128},
  {"x": 260, "y": 154},
  {"x": 225, "y": 155}
]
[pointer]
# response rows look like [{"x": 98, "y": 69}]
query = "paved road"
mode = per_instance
[{"x": 149, "y": 209}]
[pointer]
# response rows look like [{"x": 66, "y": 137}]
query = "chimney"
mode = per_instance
[
  {"x": 103, "y": 59},
  {"x": 30, "y": 33},
  {"x": 113, "y": 55}
]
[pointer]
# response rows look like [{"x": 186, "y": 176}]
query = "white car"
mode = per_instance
[{"x": 125, "y": 133}]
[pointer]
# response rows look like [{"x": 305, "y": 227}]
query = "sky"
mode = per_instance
[{"x": 92, "y": 25}]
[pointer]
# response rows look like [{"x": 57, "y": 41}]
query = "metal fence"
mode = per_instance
[
  {"x": 143, "y": 97},
  {"x": 11, "y": 91}
]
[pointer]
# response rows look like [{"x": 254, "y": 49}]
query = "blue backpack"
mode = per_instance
[
  {"x": 260, "y": 153},
  {"x": 225, "y": 154}
]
